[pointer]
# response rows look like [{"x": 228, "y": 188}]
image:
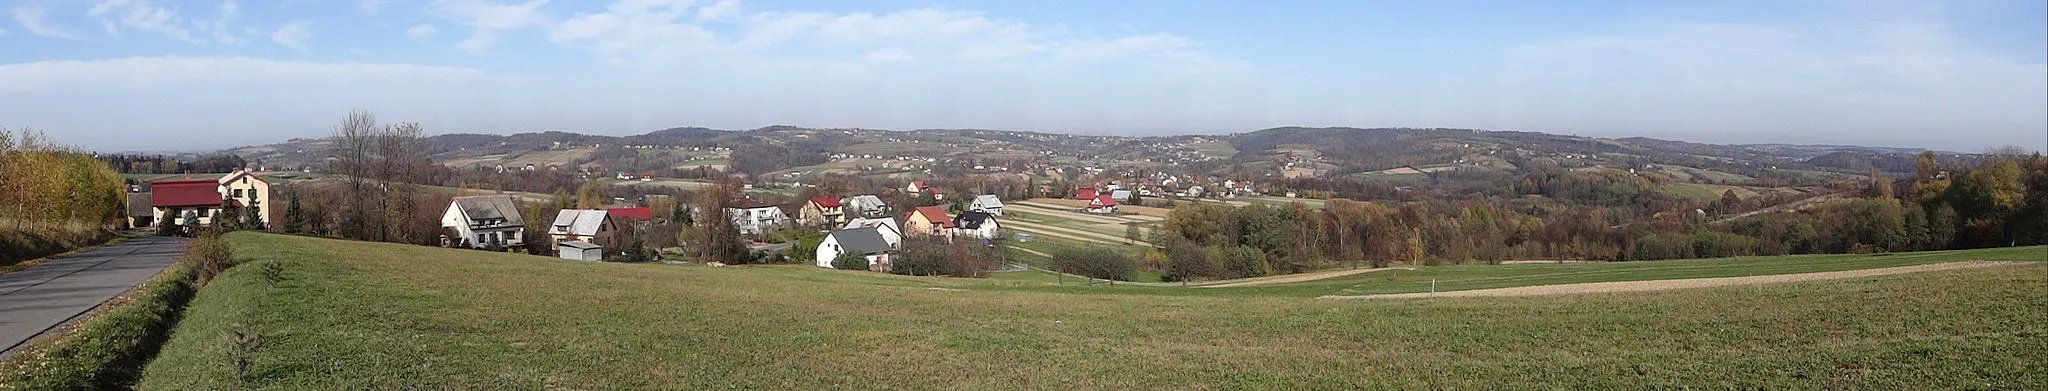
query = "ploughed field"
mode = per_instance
[{"x": 350, "y": 315}]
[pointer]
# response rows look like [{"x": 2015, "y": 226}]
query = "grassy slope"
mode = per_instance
[
  {"x": 358, "y": 315},
  {"x": 1467, "y": 277}
]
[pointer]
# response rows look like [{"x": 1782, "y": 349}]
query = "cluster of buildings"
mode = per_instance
[{"x": 198, "y": 202}]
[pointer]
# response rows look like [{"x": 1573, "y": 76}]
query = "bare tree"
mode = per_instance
[{"x": 354, "y": 142}]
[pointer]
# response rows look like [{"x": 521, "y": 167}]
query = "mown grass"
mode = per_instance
[{"x": 345, "y": 315}]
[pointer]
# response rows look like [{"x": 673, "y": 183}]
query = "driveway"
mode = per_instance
[{"x": 41, "y": 297}]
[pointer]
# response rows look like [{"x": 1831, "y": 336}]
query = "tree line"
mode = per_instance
[{"x": 52, "y": 197}]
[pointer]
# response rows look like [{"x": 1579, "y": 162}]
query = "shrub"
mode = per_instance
[
  {"x": 208, "y": 256},
  {"x": 1244, "y": 261},
  {"x": 1097, "y": 263},
  {"x": 850, "y": 261},
  {"x": 937, "y": 257},
  {"x": 108, "y": 350}
]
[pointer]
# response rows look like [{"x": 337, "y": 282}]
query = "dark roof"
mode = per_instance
[
  {"x": 972, "y": 219},
  {"x": 861, "y": 240},
  {"x": 748, "y": 203},
  {"x": 490, "y": 207},
  {"x": 138, "y": 204},
  {"x": 184, "y": 194}
]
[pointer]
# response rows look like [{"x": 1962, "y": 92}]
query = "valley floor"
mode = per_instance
[{"x": 349, "y": 315}]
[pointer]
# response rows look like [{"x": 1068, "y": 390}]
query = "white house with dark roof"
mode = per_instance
[
  {"x": 866, "y": 205},
  {"x": 887, "y": 226},
  {"x": 865, "y": 241},
  {"x": 480, "y": 220},
  {"x": 976, "y": 224}
]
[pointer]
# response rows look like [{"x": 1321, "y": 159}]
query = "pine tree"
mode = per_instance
[{"x": 294, "y": 216}]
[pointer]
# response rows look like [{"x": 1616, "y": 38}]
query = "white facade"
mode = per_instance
[
  {"x": 479, "y": 220},
  {"x": 249, "y": 190},
  {"x": 987, "y": 203},
  {"x": 754, "y": 221},
  {"x": 581, "y": 251}
]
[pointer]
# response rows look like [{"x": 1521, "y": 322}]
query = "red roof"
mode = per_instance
[
  {"x": 1084, "y": 193},
  {"x": 1102, "y": 201},
  {"x": 175, "y": 194},
  {"x": 825, "y": 201},
  {"x": 631, "y": 213},
  {"x": 917, "y": 184},
  {"x": 936, "y": 215}
]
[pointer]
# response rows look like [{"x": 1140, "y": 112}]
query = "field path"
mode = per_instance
[
  {"x": 1657, "y": 285},
  {"x": 1293, "y": 278},
  {"x": 1064, "y": 214},
  {"x": 1071, "y": 234}
]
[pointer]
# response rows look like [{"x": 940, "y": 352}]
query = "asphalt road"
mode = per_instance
[{"x": 39, "y": 298}]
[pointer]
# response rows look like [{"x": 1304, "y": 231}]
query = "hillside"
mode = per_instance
[{"x": 353, "y": 315}]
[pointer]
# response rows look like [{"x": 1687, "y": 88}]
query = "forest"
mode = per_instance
[{"x": 55, "y": 199}]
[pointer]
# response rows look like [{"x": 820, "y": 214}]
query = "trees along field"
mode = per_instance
[
  {"x": 52, "y": 198},
  {"x": 2002, "y": 201}
]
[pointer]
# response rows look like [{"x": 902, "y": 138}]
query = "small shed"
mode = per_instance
[{"x": 578, "y": 250}]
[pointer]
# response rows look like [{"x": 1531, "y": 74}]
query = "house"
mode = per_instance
[
  {"x": 577, "y": 250},
  {"x": 927, "y": 220},
  {"x": 864, "y": 241},
  {"x": 482, "y": 220},
  {"x": 1102, "y": 204},
  {"x": 1120, "y": 195},
  {"x": 916, "y": 187},
  {"x": 1084, "y": 193},
  {"x": 821, "y": 210},
  {"x": 937, "y": 193},
  {"x": 866, "y": 205},
  {"x": 139, "y": 213},
  {"x": 585, "y": 225},
  {"x": 640, "y": 217},
  {"x": 976, "y": 224},
  {"x": 755, "y": 217},
  {"x": 987, "y": 203},
  {"x": 186, "y": 202},
  {"x": 891, "y": 231},
  {"x": 249, "y": 191},
  {"x": 1194, "y": 191}
]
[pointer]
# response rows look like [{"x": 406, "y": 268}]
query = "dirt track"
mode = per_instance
[
  {"x": 1292, "y": 278},
  {"x": 1657, "y": 285}
]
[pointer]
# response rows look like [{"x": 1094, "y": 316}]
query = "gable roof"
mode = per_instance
[
  {"x": 631, "y": 213},
  {"x": 917, "y": 185},
  {"x": 972, "y": 219},
  {"x": 749, "y": 203},
  {"x": 934, "y": 214},
  {"x": 175, "y": 194},
  {"x": 490, "y": 207},
  {"x": 860, "y": 240},
  {"x": 866, "y": 201},
  {"x": 988, "y": 201},
  {"x": 1084, "y": 193},
  {"x": 1102, "y": 201},
  {"x": 824, "y": 201},
  {"x": 873, "y": 222},
  {"x": 238, "y": 174},
  {"x": 580, "y": 222}
]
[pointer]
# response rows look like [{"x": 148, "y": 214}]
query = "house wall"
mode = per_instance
[
  {"x": 178, "y": 214},
  {"x": 253, "y": 192},
  {"x": 827, "y": 250}
]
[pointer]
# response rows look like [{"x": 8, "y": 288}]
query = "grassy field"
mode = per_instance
[{"x": 347, "y": 315}]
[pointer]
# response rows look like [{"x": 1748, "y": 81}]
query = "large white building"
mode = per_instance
[{"x": 481, "y": 220}]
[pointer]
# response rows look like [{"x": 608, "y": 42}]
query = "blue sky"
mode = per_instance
[{"x": 195, "y": 75}]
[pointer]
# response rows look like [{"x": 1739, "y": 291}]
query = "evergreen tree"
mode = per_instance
[{"x": 294, "y": 216}]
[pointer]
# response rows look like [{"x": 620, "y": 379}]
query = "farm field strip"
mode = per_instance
[
  {"x": 1688, "y": 283},
  {"x": 1095, "y": 236}
]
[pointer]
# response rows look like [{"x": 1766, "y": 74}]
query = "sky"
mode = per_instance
[{"x": 141, "y": 75}]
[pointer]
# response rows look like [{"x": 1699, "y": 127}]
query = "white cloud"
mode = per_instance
[
  {"x": 489, "y": 19},
  {"x": 891, "y": 55},
  {"x": 293, "y": 35},
  {"x": 156, "y": 72},
  {"x": 142, "y": 15},
  {"x": 371, "y": 7},
  {"x": 31, "y": 19},
  {"x": 636, "y": 30},
  {"x": 421, "y": 32},
  {"x": 719, "y": 10}
]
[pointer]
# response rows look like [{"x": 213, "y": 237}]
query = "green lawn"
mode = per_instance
[{"x": 348, "y": 315}]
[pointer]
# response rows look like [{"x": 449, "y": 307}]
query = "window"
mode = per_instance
[
  {"x": 238, "y": 193},
  {"x": 481, "y": 239}
]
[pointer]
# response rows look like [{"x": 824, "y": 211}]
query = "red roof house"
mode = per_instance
[
  {"x": 630, "y": 213},
  {"x": 1085, "y": 193},
  {"x": 1102, "y": 204},
  {"x": 825, "y": 201},
  {"x": 183, "y": 194}
]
